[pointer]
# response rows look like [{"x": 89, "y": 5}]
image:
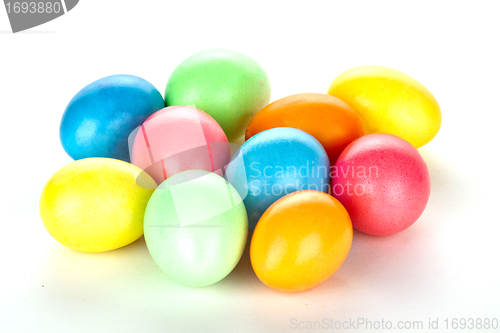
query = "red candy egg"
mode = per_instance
[{"x": 383, "y": 182}]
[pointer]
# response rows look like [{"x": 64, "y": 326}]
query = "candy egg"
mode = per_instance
[
  {"x": 99, "y": 119},
  {"x": 228, "y": 85},
  {"x": 195, "y": 227},
  {"x": 274, "y": 163},
  {"x": 300, "y": 241},
  {"x": 180, "y": 138},
  {"x": 96, "y": 204},
  {"x": 325, "y": 117},
  {"x": 389, "y": 101},
  {"x": 383, "y": 182}
]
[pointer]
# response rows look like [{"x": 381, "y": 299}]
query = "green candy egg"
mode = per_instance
[
  {"x": 195, "y": 227},
  {"x": 228, "y": 85}
]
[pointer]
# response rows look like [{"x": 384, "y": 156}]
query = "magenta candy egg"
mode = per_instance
[
  {"x": 383, "y": 182},
  {"x": 180, "y": 138}
]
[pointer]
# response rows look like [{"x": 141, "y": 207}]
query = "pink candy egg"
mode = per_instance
[
  {"x": 179, "y": 138},
  {"x": 383, "y": 182}
]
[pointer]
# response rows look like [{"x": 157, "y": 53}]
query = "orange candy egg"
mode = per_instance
[
  {"x": 300, "y": 241},
  {"x": 327, "y": 118}
]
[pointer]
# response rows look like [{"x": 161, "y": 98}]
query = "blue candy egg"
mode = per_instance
[
  {"x": 99, "y": 119},
  {"x": 274, "y": 163}
]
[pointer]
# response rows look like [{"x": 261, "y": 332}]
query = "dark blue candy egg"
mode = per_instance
[
  {"x": 274, "y": 163},
  {"x": 99, "y": 119}
]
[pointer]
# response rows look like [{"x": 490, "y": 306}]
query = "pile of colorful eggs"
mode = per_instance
[{"x": 313, "y": 166}]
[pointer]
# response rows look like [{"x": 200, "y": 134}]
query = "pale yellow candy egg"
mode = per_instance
[
  {"x": 96, "y": 204},
  {"x": 389, "y": 101}
]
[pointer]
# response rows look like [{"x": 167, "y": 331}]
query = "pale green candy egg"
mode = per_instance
[{"x": 195, "y": 227}]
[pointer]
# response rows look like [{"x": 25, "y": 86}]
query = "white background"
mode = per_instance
[{"x": 444, "y": 266}]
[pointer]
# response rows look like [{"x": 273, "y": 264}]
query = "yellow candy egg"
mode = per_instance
[
  {"x": 96, "y": 204},
  {"x": 389, "y": 101}
]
